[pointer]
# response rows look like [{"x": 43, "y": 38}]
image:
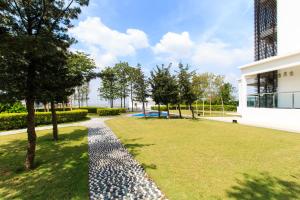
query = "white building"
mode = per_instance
[{"x": 269, "y": 88}]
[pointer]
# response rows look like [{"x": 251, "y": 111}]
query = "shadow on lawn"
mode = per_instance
[
  {"x": 134, "y": 149},
  {"x": 61, "y": 171},
  {"x": 264, "y": 187}
]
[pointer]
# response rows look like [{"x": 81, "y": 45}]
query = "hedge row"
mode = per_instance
[
  {"x": 200, "y": 107},
  {"x": 57, "y": 109},
  {"x": 91, "y": 109},
  {"x": 110, "y": 111},
  {"x": 18, "y": 120}
]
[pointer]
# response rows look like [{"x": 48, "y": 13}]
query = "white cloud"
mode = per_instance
[
  {"x": 107, "y": 45},
  {"x": 174, "y": 46},
  {"x": 219, "y": 54}
]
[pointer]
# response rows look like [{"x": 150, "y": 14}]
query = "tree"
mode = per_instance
[
  {"x": 123, "y": 72},
  {"x": 200, "y": 87},
  {"x": 156, "y": 84},
  {"x": 227, "y": 92},
  {"x": 81, "y": 67},
  {"x": 164, "y": 87},
  {"x": 27, "y": 30},
  {"x": 109, "y": 87},
  {"x": 187, "y": 94},
  {"x": 133, "y": 72},
  {"x": 141, "y": 88},
  {"x": 219, "y": 84}
]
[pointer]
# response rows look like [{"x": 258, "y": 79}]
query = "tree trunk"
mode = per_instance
[
  {"x": 124, "y": 101},
  {"x": 144, "y": 111},
  {"x": 168, "y": 111},
  {"x": 71, "y": 104},
  {"x": 31, "y": 135},
  {"x": 124, "y": 97},
  {"x": 192, "y": 109},
  {"x": 121, "y": 102},
  {"x": 45, "y": 106},
  {"x": 158, "y": 110},
  {"x": 179, "y": 109},
  {"x": 63, "y": 105},
  {"x": 131, "y": 96},
  {"x": 210, "y": 105},
  {"x": 223, "y": 106},
  {"x": 54, "y": 121}
]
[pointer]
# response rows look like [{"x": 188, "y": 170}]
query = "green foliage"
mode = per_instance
[
  {"x": 18, "y": 120},
  {"x": 30, "y": 36},
  {"x": 110, "y": 111},
  {"x": 230, "y": 108},
  {"x": 187, "y": 94},
  {"x": 91, "y": 109},
  {"x": 57, "y": 109},
  {"x": 164, "y": 86},
  {"x": 141, "y": 86},
  {"x": 109, "y": 85},
  {"x": 17, "y": 107}
]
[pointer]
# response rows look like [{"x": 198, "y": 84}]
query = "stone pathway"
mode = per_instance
[{"x": 113, "y": 173}]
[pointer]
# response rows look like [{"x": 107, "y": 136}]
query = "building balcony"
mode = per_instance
[{"x": 283, "y": 100}]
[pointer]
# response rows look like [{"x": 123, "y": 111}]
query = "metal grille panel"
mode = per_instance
[{"x": 265, "y": 28}]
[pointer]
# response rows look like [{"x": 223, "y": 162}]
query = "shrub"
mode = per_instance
[
  {"x": 18, "y": 120},
  {"x": 206, "y": 107},
  {"x": 16, "y": 107},
  {"x": 57, "y": 109},
  {"x": 91, "y": 109},
  {"x": 110, "y": 111}
]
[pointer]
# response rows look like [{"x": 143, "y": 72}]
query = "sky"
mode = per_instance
[{"x": 209, "y": 35}]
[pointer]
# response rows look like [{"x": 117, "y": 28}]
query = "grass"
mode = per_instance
[
  {"x": 200, "y": 159},
  {"x": 206, "y": 113},
  {"x": 61, "y": 171}
]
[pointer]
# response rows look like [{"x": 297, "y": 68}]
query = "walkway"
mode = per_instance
[{"x": 113, "y": 173}]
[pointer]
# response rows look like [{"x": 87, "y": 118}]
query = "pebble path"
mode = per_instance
[{"x": 113, "y": 173}]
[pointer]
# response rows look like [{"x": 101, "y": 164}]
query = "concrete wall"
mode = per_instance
[
  {"x": 288, "y": 26},
  {"x": 289, "y": 85},
  {"x": 285, "y": 119}
]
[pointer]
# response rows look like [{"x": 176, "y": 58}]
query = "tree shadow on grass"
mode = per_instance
[
  {"x": 61, "y": 171},
  {"x": 264, "y": 187},
  {"x": 134, "y": 149}
]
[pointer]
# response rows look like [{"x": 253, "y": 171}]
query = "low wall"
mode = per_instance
[{"x": 284, "y": 119}]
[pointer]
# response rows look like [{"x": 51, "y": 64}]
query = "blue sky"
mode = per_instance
[{"x": 210, "y": 35}]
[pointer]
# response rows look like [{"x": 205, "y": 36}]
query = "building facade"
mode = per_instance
[{"x": 269, "y": 88}]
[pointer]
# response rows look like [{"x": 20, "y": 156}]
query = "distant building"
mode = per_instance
[{"x": 269, "y": 88}]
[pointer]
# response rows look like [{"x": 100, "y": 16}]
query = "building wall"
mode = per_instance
[
  {"x": 288, "y": 31},
  {"x": 285, "y": 119},
  {"x": 289, "y": 85}
]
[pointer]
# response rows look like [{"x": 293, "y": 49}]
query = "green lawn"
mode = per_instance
[
  {"x": 202, "y": 159},
  {"x": 62, "y": 167},
  {"x": 206, "y": 113}
]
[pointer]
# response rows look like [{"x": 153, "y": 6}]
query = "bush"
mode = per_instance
[
  {"x": 91, "y": 109},
  {"x": 206, "y": 107},
  {"x": 110, "y": 111},
  {"x": 17, "y": 107},
  {"x": 18, "y": 120},
  {"x": 57, "y": 109}
]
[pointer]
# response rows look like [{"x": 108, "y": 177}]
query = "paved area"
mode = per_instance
[{"x": 113, "y": 173}]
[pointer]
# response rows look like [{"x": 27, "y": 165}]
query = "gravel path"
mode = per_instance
[{"x": 113, "y": 173}]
